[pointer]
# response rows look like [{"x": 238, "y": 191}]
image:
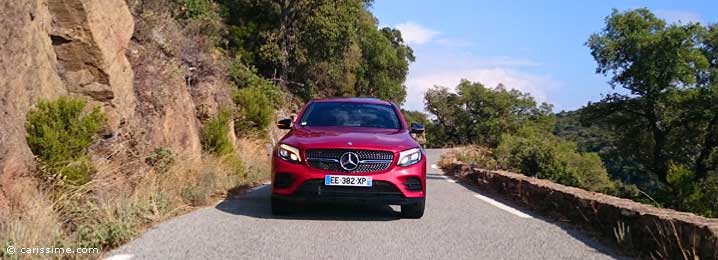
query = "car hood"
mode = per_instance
[{"x": 341, "y": 137}]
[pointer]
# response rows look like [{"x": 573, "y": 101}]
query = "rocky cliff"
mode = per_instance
[{"x": 100, "y": 50}]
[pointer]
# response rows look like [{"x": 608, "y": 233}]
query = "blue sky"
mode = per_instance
[{"x": 534, "y": 46}]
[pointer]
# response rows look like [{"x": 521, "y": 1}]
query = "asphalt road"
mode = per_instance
[{"x": 459, "y": 223}]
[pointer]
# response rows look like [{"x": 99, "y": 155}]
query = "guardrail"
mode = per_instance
[{"x": 645, "y": 230}]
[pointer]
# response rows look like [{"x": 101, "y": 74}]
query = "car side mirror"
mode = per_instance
[
  {"x": 416, "y": 128},
  {"x": 285, "y": 123}
]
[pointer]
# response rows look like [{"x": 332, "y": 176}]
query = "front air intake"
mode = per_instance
[{"x": 368, "y": 160}]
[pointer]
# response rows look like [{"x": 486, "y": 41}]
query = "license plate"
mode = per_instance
[{"x": 344, "y": 180}]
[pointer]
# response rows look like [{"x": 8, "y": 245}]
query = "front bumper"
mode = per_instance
[{"x": 391, "y": 186}]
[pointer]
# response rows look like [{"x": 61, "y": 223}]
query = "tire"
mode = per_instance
[
  {"x": 281, "y": 206},
  {"x": 415, "y": 210}
]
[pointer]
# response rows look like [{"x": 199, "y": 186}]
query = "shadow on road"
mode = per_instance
[{"x": 255, "y": 204}]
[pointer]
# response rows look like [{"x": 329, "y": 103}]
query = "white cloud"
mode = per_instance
[
  {"x": 453, "y": 43},
  {"x": 540, "y": 86},
  {"x": 678, "y": 16},
  {"x": 414, "y": 33}
]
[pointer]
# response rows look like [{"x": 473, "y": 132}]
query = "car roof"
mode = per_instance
[{"x": 368, "y": 100}]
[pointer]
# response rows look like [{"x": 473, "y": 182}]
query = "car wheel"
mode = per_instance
[
  {"x": 415, "y": 210},
  {"x": 280, "y": 206}
]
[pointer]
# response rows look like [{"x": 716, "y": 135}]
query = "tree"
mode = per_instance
[
  {"x": 655, "y": 62},
  {"x": 385, "y": 62},
  {"x": 480, "y": 115},
  {"x": 708, "y": 93},
  {"x": 319, "y": 48}
]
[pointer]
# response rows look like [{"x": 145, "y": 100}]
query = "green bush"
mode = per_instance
[
  {"x": 59, "y": 133},
  {"x": 161, "y": 159},
  {"x": 195, "y": 9},
  {"x": 254, "y": 111},
  {"x": 244, "y": 76},
  {"x": 108, "y": 234},
  {"x": 710, "y": 196},
  {"x": 77, "y": 172},
  {"x": 195, "y": 195},
  {"x": 545, "y": 156},
  {"x": 687, "y": 194},
  {"x": 215, "y": 134}
]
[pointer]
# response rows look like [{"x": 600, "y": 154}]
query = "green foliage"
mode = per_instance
[
  {"x": 107, "y": 234},
  {"x": 661, "y": 132},
  {"x": 195, "y": 195},
  {"x": 59, "y": 133},
  {"x": 319, "y": 48},
  {"x": 161, "y": 159},
  {"x": 195, "y": 9},
  {"x": 384, "y": 65},
  {"x": 480, "y": 115},
  {"x": 545, "y": 156},
  {"x": 709, "y": 202},
  {"x": 687, "y": 194},
  {"x": 415, "y": 117},
  {"x": 658, "y": 64},
  {"x": 254, "y": 111},
  {"x": 244, "y": 76},
  {"x": 76, "y": 172},
  {"x": 215, "y": 134}
]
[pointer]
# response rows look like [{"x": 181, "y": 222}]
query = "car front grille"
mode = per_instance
[{"x": 369, "y": 160}]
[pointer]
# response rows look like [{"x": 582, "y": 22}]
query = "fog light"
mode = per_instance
[
  {"x": 413, "y": 184},
  {"x": 282, "y": 180}
]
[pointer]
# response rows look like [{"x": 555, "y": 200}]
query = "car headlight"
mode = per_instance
[
  {"x": 289, "y": 153},
  {"x": 409, "y": 157}
]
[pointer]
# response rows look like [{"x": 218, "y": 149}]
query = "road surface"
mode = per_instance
[{"x": 460, "y": 223}]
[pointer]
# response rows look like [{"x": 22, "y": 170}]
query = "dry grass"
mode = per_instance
[
  {"x": 30, "y": 219},
  {"x": 671, "y": 240},
  {"x": 479, "y": 156},
  {"x": 115, "y": 207},
  {"x": 255, "y": 154}
]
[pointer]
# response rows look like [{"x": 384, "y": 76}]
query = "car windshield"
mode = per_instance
[{"x": 350, "y": 114}]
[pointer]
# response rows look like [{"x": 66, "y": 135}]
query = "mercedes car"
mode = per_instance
[{"x": 349, "y": 150}]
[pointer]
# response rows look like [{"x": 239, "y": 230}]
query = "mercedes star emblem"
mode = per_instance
[{"x": 349, "y": 161}]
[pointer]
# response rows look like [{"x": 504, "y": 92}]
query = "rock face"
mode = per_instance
[
  {"x": 90, "y": 39},
  {"x": 83, "y": 48},
  {"x": 28, "y": 72}
]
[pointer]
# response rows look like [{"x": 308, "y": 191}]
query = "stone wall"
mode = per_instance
[{"x": 648, "y": 231}]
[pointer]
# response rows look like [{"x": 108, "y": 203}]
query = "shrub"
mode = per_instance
[
  {"x": 710, "y": 196},
  {"x": 215, "y": 134},
  {"x": 548, "y": 157},
  {"x": 59, "y": 133},
  {"x": 195, "y": 9},
  {"x": 107, "y": 234},
  {"x": 688, "y": 194},
  {"x": 244, "y": 76},
  {"x": 254, "y": 111},
  {"x": 161, "y": 159},
  {"x": 76, "y": 172}
]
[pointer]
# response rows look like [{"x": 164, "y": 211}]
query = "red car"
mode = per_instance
[{"x": 349, "y": 150}]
